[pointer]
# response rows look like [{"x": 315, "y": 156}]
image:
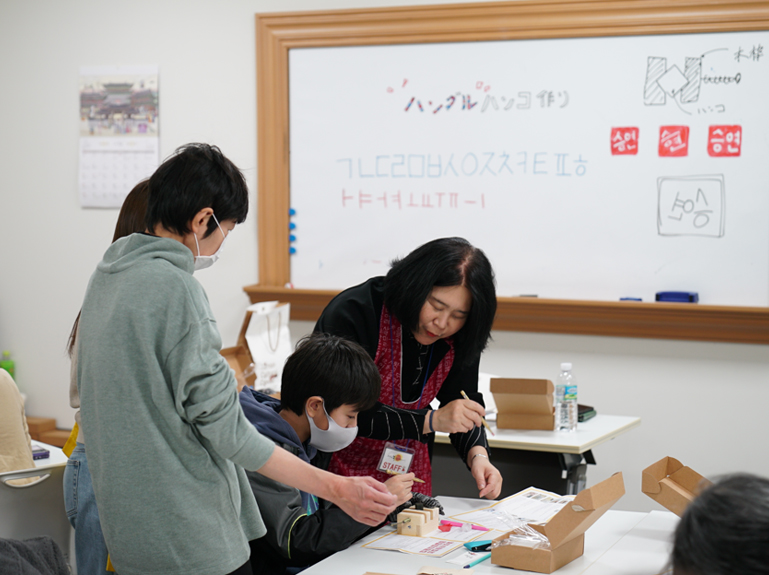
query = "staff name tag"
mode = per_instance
[{"x": 395, "y": 459}]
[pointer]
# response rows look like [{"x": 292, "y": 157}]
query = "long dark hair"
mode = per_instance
[
  {"x": 130, "y": 220},
  {"x": 445, "y": 262}
]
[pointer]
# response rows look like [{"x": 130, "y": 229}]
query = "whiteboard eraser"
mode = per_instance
[{"x": 678, "y": 296}]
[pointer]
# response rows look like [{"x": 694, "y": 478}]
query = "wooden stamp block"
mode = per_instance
[{"x": 418, "y": 522}]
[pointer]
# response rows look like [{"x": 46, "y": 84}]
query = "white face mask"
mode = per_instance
[
  {"x": 203, "y": 262},
  {"x": 334, "y": 438}
]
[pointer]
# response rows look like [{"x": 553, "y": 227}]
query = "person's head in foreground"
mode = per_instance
[
  {"x": 444, "y": 288},
  {"x": 725, "y": 530}
]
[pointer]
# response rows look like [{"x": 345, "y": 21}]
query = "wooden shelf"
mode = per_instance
[{"x": 621, "y": 319}]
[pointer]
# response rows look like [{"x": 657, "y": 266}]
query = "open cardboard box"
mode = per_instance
[
  {"x": 523, "y": 403},
  {"x": 671, "y": 484},
  {"x": 565, "y": 531},
  {"x": 239, "y": 359},
  {"x": 243, "y": 329}
]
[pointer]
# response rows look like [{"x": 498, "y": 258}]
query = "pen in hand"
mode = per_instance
[
  {"x": 483, "y": 419},
  {"x": 391, "y": 472}
]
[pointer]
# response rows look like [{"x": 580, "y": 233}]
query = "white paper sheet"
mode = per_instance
[
  {"x": 415, "y": 545},
  {"x": 531, "y": 505}
]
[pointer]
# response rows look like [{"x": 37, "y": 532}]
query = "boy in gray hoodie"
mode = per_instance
[{"x": 167, "y": 439}]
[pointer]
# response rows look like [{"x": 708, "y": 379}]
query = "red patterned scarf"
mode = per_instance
[{"x": 362, "y": 456}]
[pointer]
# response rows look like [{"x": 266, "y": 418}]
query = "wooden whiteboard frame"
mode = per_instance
[{"x": 277, "y": 33}]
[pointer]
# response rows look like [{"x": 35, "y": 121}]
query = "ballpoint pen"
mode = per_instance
[{"x": 476, "y": 561}]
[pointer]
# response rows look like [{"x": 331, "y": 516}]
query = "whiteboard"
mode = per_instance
[{"x": 590, "y": 169}]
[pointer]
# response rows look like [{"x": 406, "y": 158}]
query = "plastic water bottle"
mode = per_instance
[
  {"x": 566, "y": 400},
  {"x": 8, "y": 364}
]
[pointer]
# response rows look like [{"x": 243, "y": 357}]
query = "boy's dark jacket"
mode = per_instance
[{"x": 300, "y": 529}]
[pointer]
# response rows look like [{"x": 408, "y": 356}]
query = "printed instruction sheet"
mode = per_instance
[{"x": 531, "y": 505}]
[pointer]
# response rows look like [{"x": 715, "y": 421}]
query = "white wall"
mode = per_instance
[
  {"x": 50, "y": 246},
  {"x": 704, "y": 403}
]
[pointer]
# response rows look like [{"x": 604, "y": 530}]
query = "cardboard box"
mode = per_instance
[
  {"x": 57, "y": 437},
  {"x": 565, "y": 531},
  {"x": 671, "y": 484},
  {"x": 523, "y": 403},
  {"x": 38, "y": 425},
  {"x": 240, "y": 359},
  {"x": 243, "y": 329}
]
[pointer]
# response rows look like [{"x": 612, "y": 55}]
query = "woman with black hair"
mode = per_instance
[{"x": 425, "y": 325}]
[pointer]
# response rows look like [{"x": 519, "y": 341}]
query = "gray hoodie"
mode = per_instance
[{"x": 167, "y": 440}]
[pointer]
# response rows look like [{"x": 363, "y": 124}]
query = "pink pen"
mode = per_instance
[
  {"x": 452, "y": 523},
  {"x": 479, "y": 528}
]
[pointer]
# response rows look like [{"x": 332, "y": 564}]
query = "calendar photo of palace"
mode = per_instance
[{"x": 119, "y": 105}]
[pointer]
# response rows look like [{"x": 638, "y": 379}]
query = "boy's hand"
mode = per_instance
[
  {"x": 364, "y": 499},
  {"x": 458, "y": 416},
  {"x": 400, "y": 486}
]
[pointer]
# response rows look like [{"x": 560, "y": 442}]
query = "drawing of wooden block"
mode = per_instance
[{"x": 417, "y": 522}]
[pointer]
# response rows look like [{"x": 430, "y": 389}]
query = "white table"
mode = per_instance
[
  {"x": 552, "y": 460},
  {"x": 593, "y": 432},
  {"x": 643, "y": 550},
  {"x": 56, "y": 459},
  {"x": 619, "y": 543},
  {"x": 36, "y": 508}
]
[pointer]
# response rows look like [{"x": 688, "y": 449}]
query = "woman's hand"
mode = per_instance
[
  {"x": 400, "y": 486},
  {"x": 487, "y": 477},
  {"x": 458, "y": 416}
]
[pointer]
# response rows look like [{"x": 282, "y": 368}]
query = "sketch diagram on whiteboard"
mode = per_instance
[
  {"x": 665, "y": 81},
  {"x": 691, "y": 206}
]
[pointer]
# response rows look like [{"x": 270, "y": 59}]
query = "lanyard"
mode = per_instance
[
  {"x": 312, "y": 504},
  {"x": 392, "y": 371}
]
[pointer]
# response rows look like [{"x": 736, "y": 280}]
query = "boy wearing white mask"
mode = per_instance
[{"x": 325, "y": 383}]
